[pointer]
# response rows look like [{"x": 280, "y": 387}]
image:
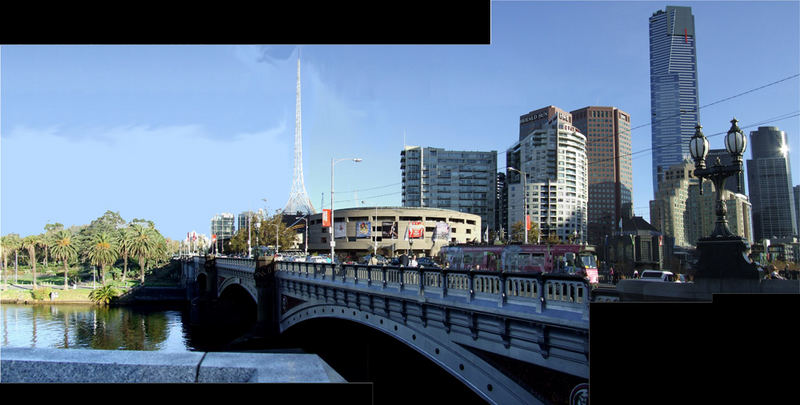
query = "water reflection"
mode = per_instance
[{"x": 90, "y": 327}]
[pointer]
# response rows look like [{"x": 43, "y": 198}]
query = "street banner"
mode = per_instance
[
  {"x": 527, "y": 222},
  {"x": 214, "y": 237},
  {"x": 326, "y": 218},
  {"x": 339, "y": 230},
  {"x": 389, "y": 230},
  {"x": 442, "y": 231},
  {"x": 363, "y": 229},
  {"x": 416, "y": 230}
]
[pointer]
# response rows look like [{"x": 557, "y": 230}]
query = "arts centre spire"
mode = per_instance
[{"x": 298, "y": 199}]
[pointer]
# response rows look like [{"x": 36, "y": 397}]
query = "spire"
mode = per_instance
[{"x": 298, "y": 199}]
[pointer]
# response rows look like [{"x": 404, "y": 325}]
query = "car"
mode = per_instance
[
  {"x": 657, "y": 275},
  {"x": 427, "y": 262}
]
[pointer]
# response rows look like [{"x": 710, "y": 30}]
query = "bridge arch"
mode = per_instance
[
  {"x": 236, "y": 281},
  {"x": 432, "y": 343}
]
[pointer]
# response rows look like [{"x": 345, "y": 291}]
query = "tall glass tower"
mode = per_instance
[
  {"x": 674, "y": 99},
  {"x": 769, "y": 176}
]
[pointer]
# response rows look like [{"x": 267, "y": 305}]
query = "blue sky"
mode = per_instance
[{"x": 176, "y": 134}]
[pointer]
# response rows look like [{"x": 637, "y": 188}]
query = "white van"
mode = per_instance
[{"x": 657, "y": 275}]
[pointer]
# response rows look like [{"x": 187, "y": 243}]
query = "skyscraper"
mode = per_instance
[
  {"x": 769, "y": 177},
  {"x": 552, "y": 153},
  {"x": 674, "y": 99},
  {"x": 464, "y": 181},
  {"x": 608, "y": 148}
]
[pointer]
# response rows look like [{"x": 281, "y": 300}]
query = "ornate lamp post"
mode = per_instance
[{"x": 722, "y": 254}]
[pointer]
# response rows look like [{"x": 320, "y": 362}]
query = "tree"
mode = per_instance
[
  {"x": 49, "y": 231},
  {"x": 64, "y": 249},
  {"x": 11, "y": 243},
  {"x": 102, "y": 252},
  {"x": 143, "y": 245},
  {"x": 124, "y": 238},
  {"x": 518, "y": 232},
  {"x": 29, "y": 243}
]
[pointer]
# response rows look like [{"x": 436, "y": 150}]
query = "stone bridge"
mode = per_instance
[{"x": 495, "y": 332}]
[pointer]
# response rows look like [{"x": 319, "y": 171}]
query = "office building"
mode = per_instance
[
  {"x": 610, "y": 174},
  {"x": 222, "y": 225},
  {"x": 552, "y": 154},
  {"x": 241, "y": 221},
  {"x": 671, "y": 212},
  {"x": 769, "y": 177},
  {"x": 464, "y": 181},
  {"x": 797, "y": 210},
  {"x": 501, "y": 207},
  {"x": 674, "y": 98}
]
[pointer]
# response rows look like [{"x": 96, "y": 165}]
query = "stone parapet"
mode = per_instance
[{"x": 40, "y": 365}]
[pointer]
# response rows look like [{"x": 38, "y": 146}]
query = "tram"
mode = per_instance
[{"x": 553, "y": 259}]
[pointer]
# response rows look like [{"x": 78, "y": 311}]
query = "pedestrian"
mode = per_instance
[
  {"x": 636, "y": 274},
  {"x": 413, "y": 261},
  {"x": 404, "y": 260},
  {"x": 611, "y": 273}
]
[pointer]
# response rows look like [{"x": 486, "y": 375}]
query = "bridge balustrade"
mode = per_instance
[{"x": 531, "y": 290}]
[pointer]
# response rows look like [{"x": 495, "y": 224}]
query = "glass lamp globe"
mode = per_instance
[
  {"x": 735, "y": 142},
  {"x": 698, "y": 147}
]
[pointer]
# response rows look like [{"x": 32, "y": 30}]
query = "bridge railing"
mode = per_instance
[{"x": 535, "y": 291}]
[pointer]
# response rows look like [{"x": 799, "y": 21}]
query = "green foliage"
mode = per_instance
[
  {"x": 104, "y": 294},
  {"x": 518, "y": 232},
  {"x": 41, "y": 294}
]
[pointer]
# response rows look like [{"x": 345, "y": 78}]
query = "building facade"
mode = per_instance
[
  {"x": 671, "y": 212},
  {"x": 610, "y": 173},
  {"x": 393, "y": 230},
  {"x": 674, "y": 97},
  {"x": 463, "y": 181},
  {"x": 797, "y": 210},
  {"x": 501, "y": 207},
  {"x": 222, "y": 225},
  {"x": 769, "y": 176},
  {"x": 703, "y": 211},
  {"x": 552, "y": 154}
]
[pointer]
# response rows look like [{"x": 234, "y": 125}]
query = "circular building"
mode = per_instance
[{"x": 392, "y": 230}]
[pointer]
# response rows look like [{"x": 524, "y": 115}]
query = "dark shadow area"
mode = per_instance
[
  {"x": 549, "y": 386},
  {"x": 738, "y": 346},
  {"x": 359, "y": 353}
]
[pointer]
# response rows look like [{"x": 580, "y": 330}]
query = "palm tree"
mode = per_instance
[
  {"x": 102, "y": 252},
  {"x": 124, "y": 242},
  {"x": 143, "y": 245},
  {"x": 7, "y": 246},
  {"x": 12, "y": 243},
  {"x": 64, "y": 249},
  {"x": 29, "y": 243}
]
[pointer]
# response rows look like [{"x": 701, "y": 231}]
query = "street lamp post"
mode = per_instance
[
  {"x": 258, "y": 227},
  {"x": 333, "y": 242},
  {"x": 722, "y": 254},
  {"x": 524, "y": 201}
]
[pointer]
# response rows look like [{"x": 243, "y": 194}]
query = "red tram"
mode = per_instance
[{"x": 569, "y": 259}]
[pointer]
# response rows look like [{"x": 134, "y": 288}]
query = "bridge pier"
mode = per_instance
[{"x": 268, "y": 318}]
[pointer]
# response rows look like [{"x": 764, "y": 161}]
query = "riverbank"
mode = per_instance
[{"x": 51, "y": 294}]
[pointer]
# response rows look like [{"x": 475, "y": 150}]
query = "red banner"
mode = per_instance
[
  {"x": 214, "y": 237},
  {"x": 326, "y": 218},
  {"x": 416, "y": 230},
  {"x": 527, "y": 222}
]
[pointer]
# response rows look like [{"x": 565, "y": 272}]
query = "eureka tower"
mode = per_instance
[{"x": 674, "y": 100}]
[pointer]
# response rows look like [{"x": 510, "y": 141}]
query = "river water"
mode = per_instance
[{"x": 91, "y": 327}]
